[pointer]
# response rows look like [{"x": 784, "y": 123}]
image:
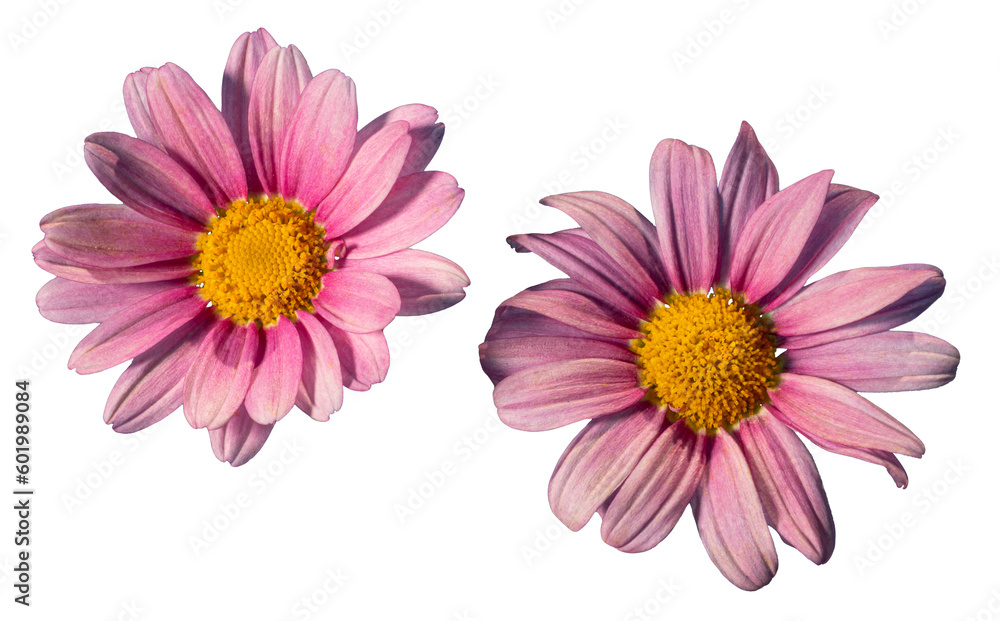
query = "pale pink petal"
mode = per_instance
[
  {"x": 134, "y": 92},
  {"x": 731, "y": 520},
  {"x": 559, "y": 393},
  {"x": 321, "y": 389},
  {"x": 320, "y": 139},
  {"x": 789, "y": 486},
  {"x": 416, "y": 206},
  {"x": 686, "y": 210},
  {"x": 599, "y": 459},
  {"x": 364, "y": 358},
  {"x": 884, "y": 362},
  {"x": 72, "y": 270},
  {"x": 194, "y": 133},
  {"x": 367, "y": 181},
  {"x": 837, "y": 413},
  {"x": 887, "y": 460},
  {"x": 425, "y": 134},
  {"x": 357, "y": 301},
  {"x": 220, "y": 375},
  {"x": 239, "y": 439},
  {"x": 111, "y": 236},
  {"x": 277, "y": 375},
  {"x": 748, "y": 179},
  {"x": 147, "y": 180},
  {"x": 775, "y": 234},
  {"x": 855, "y": 303},
  {"x": 507, "y": 356},
  {"x": 134, "y": 329},
  {"x": 66, "y": 301},
  {"x": 655, "y": 494},
  {"x": 426, "y": 282},
  {"x": 575, "y": 310}
]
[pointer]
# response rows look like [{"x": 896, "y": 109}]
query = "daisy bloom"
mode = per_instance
[
  {"x": 698, "y": 351},
  {"x": 258, "y": 251}
]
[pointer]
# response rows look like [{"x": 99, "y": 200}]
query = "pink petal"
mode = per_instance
[
  {"x": 147, "y": 180},
  {"x": 66, "y": 301},
  {"x": 277, "y": 376},
  {"x": 280, "y": 80},
  {"x": 134, "y": 329},
  {"x": 320, "y": 139},
  {"x": 244, "y": 60},
  {"x": 574, "y": 310},
  {"x": 137, "y": 107},
  {"x": 416, "y": 206},
  {"x": 855, "y": 303},
  {"x": 775, "y": 234},
  {"x": 882, "y": 458},
  {"x": 364, "y": 358},
  {"x": 748, "y": 179},
  {"x": 559, "y": 393},
  {"x": 598, "y": 460},
  {"x": 833, "y": 412},
  {"x": 884, "y": 362},
  {"x": 507, "y": 356},
  {"x": 321, "y": 389},
  {"x": 72, "y": 270},
  {"x": 239, "y": 439},
  {"x": 426, "y": 282},
  {"x": 510, "y": 322},
  {"x": 113, "y": 236},
  {"x": 194, "y": 134},
  {"x": 367, "y": 181},
  {"x": 218, "y": 379},
  {"x": 357, "y": 301},
  {"x": 789, "y": 486},
  {"x": 731, "y": 520},
  {"x": 425, "y": 134},
  {"x": 655, "y": 494},
  {"x": 686, "y": 210},
  {"x": 153, "y": 385}
]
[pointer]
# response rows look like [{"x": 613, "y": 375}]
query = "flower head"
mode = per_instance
[
  {"x": 698, "y": 351},
  {"x": 258, "y": 251}
]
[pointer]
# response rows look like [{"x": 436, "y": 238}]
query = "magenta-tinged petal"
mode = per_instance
[
  {"x": 364, "y": 358},
  {"x": 731, "y": 520},
  {"x": 686, "y": 210},
  {"x": 425, "y": 134},
  {"x": 748, "y": 179},
  {"x": 134, "y": 329},
  {"x": 426, "y": 282},
  {"x": 147, "y": 180},
  {"x": 507, "y": 356},
  {"x": 884, "y": 362},
  {"x": 622, "y": 232},
  {"x": 66, "y": 301},
  {"x": 367, "y": 181},
  {"x": 113, "y": 236},
  {"x": 855, "y": 303},
  {"x": 153, "y": 385},
  {"x": 842, "y": 213},
  {"x": 280, "y": 80},
  {"x": 357, "y": 301},
  {"x": 320, "y": 139},
  {"x": 574, "y": 310},
  {"x": 655, "y": 494},
  {"x": 194, "y": 133},
  {"x": 220, "y": 375},
  {"x": 837, "y": 413},
  {"x": 321, "y": 389},
  {"x": 598, "y": 460},
  {"x": 237, "y": 80},
  {"x": 239, "y": 439},
  {"x": 137, "y": 108},
  {"x": 509, "y": 322},
  {"x": 277, "y": 376},
  {"x": 559, "y": 393},
  {"x": 881, "y": 458},
  {"x": 72, "y": 270},
  {"x": 789, "y": 486},
  {"x": 416, "y": 206}
]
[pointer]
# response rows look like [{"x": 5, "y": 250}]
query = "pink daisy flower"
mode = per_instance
[
  {"x": 258, "y": 251},
  {"x": 670, "y": 338}
]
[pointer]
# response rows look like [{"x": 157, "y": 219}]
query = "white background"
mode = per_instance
[{"x": 533, "y": 106}]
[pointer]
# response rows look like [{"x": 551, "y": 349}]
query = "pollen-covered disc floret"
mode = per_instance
[
  {"x": 260, "y": 259},
  {"x": 709, "y": 357}
]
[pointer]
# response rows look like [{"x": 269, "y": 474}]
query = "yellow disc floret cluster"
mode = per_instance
[
  {"x": 709, "y": 357},
  {"x": 260, "y": 259}
]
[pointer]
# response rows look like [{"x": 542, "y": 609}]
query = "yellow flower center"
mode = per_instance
[
  {"x": 259, "y": 259},
  {"x": 708, "y": 357}
]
